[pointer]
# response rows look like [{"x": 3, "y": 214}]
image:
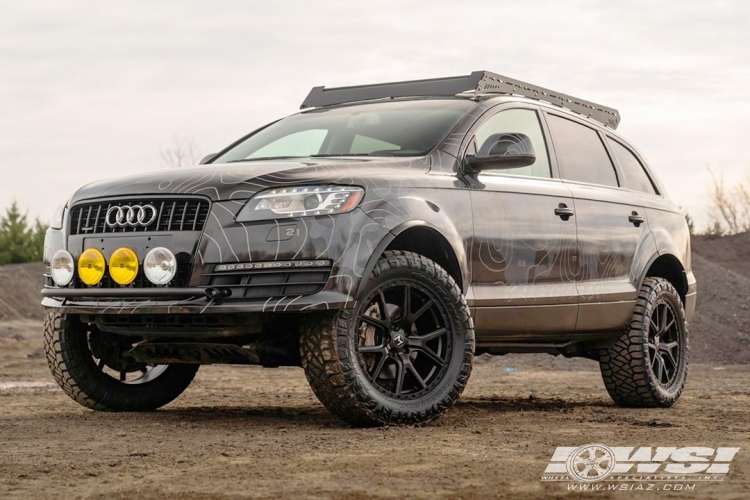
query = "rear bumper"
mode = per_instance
[{"x": 691, "y": 297}]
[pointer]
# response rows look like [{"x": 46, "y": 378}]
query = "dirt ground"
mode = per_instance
[{"x": 250, "y": 432}]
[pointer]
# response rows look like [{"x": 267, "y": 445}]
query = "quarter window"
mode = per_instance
[
  {"x": 518, "y": 121},
  {"x": 634, "y": 176},
  {"x": 581, "y": 153}
]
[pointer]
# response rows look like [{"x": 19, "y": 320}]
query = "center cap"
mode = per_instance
[{"x": 398, "y": 339}]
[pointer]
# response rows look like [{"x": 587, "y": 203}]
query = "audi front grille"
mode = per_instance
[{"x": 173, "y": 214}]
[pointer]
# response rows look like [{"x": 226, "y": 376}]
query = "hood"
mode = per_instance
[{"x": 239, "y": 181}]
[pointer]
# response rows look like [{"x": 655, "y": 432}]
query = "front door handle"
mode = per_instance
[
  {"x": 564, "y": 212},
  {"x": 636, "y": 219}
]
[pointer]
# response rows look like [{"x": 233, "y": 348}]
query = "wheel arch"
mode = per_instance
[
  {"x": 425, "y": 239},
  {"x": 669, "y": 267}
]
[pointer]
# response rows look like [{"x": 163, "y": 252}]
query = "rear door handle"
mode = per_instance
[
  {"x": 636, "y": 219},
  {"x": 564, "y": 212}
]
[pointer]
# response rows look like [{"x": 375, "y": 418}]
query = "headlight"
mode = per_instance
[
  {"x": 56, "y": 222},
  {"x": 301, "y": 201},
  {"x": 61, "y": 267},
  {"x": 159, "y": 266}
]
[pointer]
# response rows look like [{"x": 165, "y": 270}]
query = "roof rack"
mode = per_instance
[{"x": 481, "y": 82}]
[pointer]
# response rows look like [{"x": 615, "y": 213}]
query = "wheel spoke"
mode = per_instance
[
  {"x": 660, "y": 376},
  {"x": 409, "y": 366},
  {"x": 421, "y": 340},
  {"x": 672, "y": 359},
  {"x": 669, "y": 326},
  {"x": 400, "y": 369},
  {"x": 426, "y": 307},
  {"x": 375, "y": 322},
  {"x": 430, "y": 354},
  {"x": 384, "y": 308},
  {"x": 370, "y": 349},
  {"x": 123, "y": 376},
  {"x": 654, "y": 326},
  {"x": 406, "y": 307},
  {"x": 379, "y": 367},
  {"x": 100, "y": 365},
  {"x": 663, "y": 318},
  {"x": 668, "y": 346}
]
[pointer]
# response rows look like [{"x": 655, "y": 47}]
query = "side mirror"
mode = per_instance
[
  {"x": 502, "y": 151},
  {"x": 207, "y": 158}
]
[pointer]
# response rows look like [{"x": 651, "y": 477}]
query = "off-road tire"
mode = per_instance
[
  {"x": 69, "y": 359},
  {"x": 626, "y": 366},
  {"x": 336, "y": 378}
]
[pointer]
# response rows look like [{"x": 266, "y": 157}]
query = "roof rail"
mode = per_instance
[{"x": 481, "y": 82}]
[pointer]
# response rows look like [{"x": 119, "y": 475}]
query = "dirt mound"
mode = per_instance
[
  {"x": 19, "y": 291},
  {"x": 730, "y": 252},
  {"x": 720, "y": 329}
]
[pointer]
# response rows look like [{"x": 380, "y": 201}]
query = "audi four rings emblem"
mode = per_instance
[{"x": 136, "y": 215}]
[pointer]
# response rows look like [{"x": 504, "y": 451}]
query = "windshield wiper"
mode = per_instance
[
  {"x": 266, "y": 158},
  {"x": 309, "y": 156},
  {"x": 349, "y": 154}
]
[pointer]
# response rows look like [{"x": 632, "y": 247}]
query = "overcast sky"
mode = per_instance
[{"x": 90, "y": 90}]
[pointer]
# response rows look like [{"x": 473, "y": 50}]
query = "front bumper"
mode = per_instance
[
  {"x": 194, "y": 304},
  {"x": 346, "y": 241}
]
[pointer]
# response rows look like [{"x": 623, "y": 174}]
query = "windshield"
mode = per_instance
[{"x": 394, "y": 128}]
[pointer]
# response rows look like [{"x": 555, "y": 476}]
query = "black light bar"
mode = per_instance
[{"x": 481, "y": 82}]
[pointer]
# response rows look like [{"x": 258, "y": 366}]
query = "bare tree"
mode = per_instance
[
  {"x": 181, "y": 152},
  {"x": 730, "y": 213}
]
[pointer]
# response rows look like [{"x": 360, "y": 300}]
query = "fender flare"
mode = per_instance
[
  {"x": 388, "y": 239},
  {"x": 653, "y": 259}
]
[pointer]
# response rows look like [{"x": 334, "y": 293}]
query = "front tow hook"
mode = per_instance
[{"x": 216, "y": 293}]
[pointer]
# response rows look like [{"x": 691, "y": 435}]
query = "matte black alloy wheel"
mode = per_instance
[
  {"x": 404, "y": 342},
  {"x": 401, "y": 355},
  {"x": 647, "y": 365},
  {"x": 664, "y": 344}
]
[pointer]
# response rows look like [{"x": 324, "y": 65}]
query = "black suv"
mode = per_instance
[{"x": 379, "y": 239}]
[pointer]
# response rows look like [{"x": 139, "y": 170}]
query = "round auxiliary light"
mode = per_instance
[
  {"x": 91, "y": 266},
  {"x": 123, "y": 266},
  {"x": 61, "y": 267},
  {"x": 160, "y": 266}
]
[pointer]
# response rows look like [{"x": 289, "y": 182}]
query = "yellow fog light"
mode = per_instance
[
  {"x": 91, "y": 266},
  {"x": 123, "y": 266}
]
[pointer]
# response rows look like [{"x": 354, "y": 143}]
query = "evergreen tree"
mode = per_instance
[{"x": 19, "y": 241}]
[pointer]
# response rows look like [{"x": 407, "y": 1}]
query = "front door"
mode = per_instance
[{"x": 524, "y": 249}]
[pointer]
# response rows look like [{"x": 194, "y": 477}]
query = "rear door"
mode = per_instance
[
  {"x": 611, "y": 225},
  {"x": 523, "y": 252}
]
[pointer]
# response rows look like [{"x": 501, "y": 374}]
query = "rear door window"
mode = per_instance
[
  {"x": 634, "y": 176},
  {"x": 580, "y": 152}
]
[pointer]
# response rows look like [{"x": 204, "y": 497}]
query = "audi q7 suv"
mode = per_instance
[{"x": 379, "y": 239}]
